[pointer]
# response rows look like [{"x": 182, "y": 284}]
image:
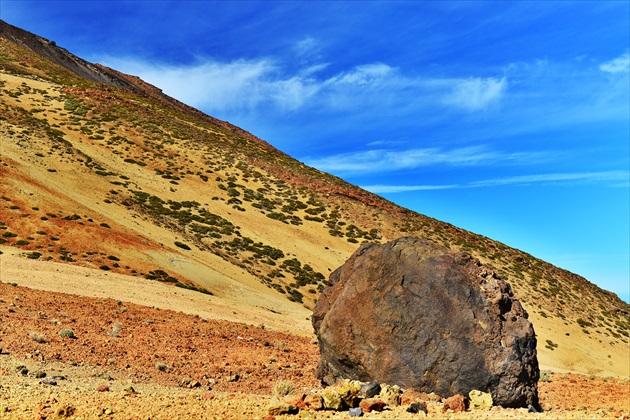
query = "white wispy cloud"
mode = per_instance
[
  {"x": 476, "y": 94},
  {"x": 307, "y": 48},
  {"x": 386, "y": 189},
  {"x": 620, "y": 64},
  {"x": 607, "y": 178},
  {"x": 242, "y": 85},
  {"x": 383, "y": 160}
]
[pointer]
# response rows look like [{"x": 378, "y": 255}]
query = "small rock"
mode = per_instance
[
  {"x": 130, "y": 390},
  {"x": 48, "y": 381},
  {"x": 278, "y": 408},
  {"x": 23, "y": 371},
  {"x": 39, "y": 374},
  {"x": 233, "y": 378},
  {"x": 417, "y": 407},
  {"x": 356, "y": 412},
  {"x": 531, "y": 409},
  {"x": 194, "y": 384},
  {"x": 314, "y": 402},
  {"x": 390, "y": 394},
  {"x": 457, "y": 403},
  {"x": 370, "y": 389},
  {"x": 207, "y": 396},
  {"x": 269, "y": 417},
  {"x": 332, "y": 400},
  {"x": 102, "y": 388},
  {"x": 412, "y": 396},
  {"x": 480, "y": 400},
  {"x": 349, "y": 393},
  {"x": 66, "y": 411},
  {"x": 433, "y": 397},
  {"x": 296, "y": 400},
  {"x": 372, "y": 404}
]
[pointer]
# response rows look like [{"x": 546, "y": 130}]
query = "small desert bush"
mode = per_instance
[
  {"x": 37, "y": 337},
  {"x": 67, "y": 333},
  {"x": 115, "y": 330},
  {"x": 282, "y": 389},
  {"x": 182, "y": 245},
  {"x": 161, "y": 367}
]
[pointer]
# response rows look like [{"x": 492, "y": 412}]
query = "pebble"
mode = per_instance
[{"x": 356, "y": 412}]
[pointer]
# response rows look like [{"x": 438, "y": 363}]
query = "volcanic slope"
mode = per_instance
[{"x": 102, "y": 170}]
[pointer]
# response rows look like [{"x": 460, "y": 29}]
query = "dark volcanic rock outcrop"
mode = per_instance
[{"x": 420, "y": 316}]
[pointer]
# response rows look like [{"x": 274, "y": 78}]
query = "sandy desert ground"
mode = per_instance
[{"x": 145, "y": 349}]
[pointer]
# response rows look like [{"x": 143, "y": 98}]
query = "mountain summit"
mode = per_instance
[{"x": 100, "y": 169}]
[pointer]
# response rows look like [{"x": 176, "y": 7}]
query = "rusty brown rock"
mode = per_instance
[
  {"x": 296, "y": 400},
  {"x": 420, "y": 316},
  {"x": 456, "y": 403},
  {"x": 411, "y": 396},
  {"x": 372, "y": 404},
  {"x": 314, "y": 402}
]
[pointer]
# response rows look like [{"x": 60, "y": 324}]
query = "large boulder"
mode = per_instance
[{"x": 420, "y": 316}]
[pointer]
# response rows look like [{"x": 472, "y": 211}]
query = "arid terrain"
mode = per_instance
[
  {"x": 186, "y": 255},
  {"x": 130, "y": 360}
]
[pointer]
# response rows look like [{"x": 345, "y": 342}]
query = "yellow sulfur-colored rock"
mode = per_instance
[
  {"x": 480, "y": 400},
  {"x": 277, "y": 408},
  {"x": 390, "y": 394},
  {"x": 332, "y": 400},
  {"x": 349, "y": 392}
]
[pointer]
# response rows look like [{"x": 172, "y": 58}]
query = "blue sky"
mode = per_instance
[{"x": 509, "y": 119}]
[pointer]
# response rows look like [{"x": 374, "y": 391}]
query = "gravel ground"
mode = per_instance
[{"x": 133, "y": 362}]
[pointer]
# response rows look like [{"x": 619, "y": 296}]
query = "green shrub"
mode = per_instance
[
  {"x": 182, "y": 245},
  {"x": 67, "y": 333}
]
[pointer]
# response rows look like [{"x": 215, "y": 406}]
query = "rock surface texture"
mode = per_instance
[{"x": 420, "y": 316}]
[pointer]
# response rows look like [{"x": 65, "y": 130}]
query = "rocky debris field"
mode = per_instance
[{"x": 65, "y": 356}]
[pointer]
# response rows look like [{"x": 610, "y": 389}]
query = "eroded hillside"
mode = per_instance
[{"x": 128, "y": 180}]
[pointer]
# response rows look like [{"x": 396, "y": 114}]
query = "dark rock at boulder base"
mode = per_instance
[
  {"x": 371, "y": 389},
  {"x": 420, "y": 316}
]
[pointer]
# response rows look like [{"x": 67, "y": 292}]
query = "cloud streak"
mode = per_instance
[
  {"x": 607, "y": 178},
  {"x": 382, "y": 160},
  {"x": 477, "y": 94},
  {"x": 242, "y": 85}
]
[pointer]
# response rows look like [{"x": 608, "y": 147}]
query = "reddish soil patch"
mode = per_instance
[
  {"x": 589, "y": 393},
  {"x": 153, "y": 346}
]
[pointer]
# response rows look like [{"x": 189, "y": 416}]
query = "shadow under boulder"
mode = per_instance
[{"x": 420, "y": 316}]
